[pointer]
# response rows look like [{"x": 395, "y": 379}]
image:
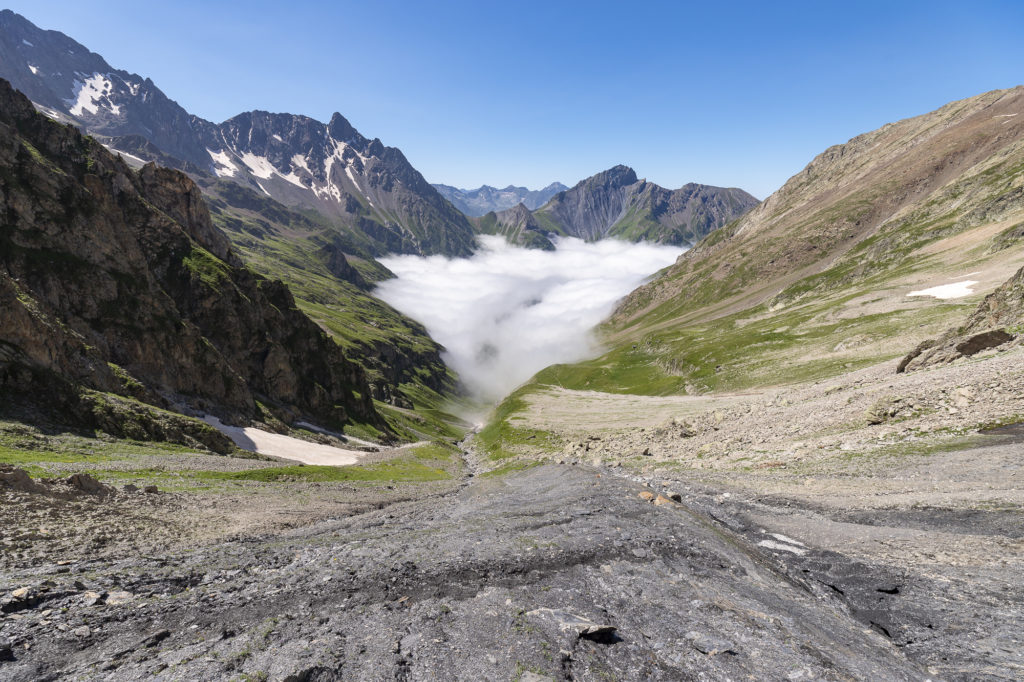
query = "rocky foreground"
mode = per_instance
[{"x": 565, "y": 572}]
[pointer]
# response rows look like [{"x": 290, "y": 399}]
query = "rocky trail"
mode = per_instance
[{"x": 562, "y": 572}]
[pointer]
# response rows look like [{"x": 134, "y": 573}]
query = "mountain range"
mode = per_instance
[
  {"x": 371, "y": 189},
  {"x": 484, "y": 199},
  {"x": 377, "y": 201},
  {"x": 616, "y": 203}
]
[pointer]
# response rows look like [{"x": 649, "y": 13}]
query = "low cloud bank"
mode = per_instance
[{"x": 507, "y": 312}]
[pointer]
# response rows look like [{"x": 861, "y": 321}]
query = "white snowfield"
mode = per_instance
[
  {"x": 222, "y": 164},
  {"x": 91, "y": 94},
  {"x": 277, "y": 445},
  {"x": 948, "y": 291}
]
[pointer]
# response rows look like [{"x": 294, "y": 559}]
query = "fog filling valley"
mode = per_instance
[{"x": 507, "y": 312}]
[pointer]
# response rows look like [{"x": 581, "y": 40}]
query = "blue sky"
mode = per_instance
[{"x": 738, "y": 94}]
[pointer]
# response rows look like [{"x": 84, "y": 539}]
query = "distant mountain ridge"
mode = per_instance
[
  {"x": 303, "y": 163},
  {"x": 615, "y": 203},
  {"x": 484, "y": 199}
]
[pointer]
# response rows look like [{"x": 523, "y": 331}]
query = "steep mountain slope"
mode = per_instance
[
  {"x": 518, "y": 225},
  {"x": 816, "y": 279},
  {"x": 365, "y": 186},
  {"x": 403, "y": 364},
  {"x": 484, "y": 199},
  {"x": 615, "y": 203},
  {"x": 117, "y": 281}
]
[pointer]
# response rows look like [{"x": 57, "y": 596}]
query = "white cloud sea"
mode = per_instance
[{"x": 507, "y": 312}]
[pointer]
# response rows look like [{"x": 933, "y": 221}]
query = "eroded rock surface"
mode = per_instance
[{"x": 563, "y": 572}]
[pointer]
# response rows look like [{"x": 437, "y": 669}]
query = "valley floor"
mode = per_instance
[{"x": 859, "y": 528}]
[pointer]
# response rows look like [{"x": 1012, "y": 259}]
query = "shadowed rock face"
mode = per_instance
[
  {"x": 117, "y": 281},
  {"x": 615, "y": 203},
  {"x": 989, "y": 326}
]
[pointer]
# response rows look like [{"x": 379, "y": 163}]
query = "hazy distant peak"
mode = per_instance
[{"x": 484, "y": 199}]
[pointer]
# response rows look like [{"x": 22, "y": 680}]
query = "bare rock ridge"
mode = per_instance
[
  {"x": 484, "y": 199},
  {"x": 615, "y": 203},
  {"x": 299, "y": 161},
  {"x": 998, "y": 320},
  {"x": 333, "y": 169},
  {"x": 116, "y": 281}
]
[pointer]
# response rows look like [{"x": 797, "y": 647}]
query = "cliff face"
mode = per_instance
[{"x": 118, "y": 281}]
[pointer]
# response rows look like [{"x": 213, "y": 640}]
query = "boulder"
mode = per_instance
[
  {"x": 88, "y": 485},
  {"x": 18, "y": 479}
]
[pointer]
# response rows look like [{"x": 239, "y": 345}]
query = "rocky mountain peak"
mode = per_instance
[
  {"x": 341, "y": 130},
  {"x": 614, "y": 177}
]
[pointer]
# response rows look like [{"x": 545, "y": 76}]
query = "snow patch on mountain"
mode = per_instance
[
  {"x": 259, "y": 166},
  {"x": 299, "y": 161},
  {"x": 34, "y": 70},
  {"x": 92, "y": 94},
  {"x": 294, "y": 179},
  {"x": 222, "y": 165}
]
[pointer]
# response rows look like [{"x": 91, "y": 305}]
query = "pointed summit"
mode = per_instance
[{"x": 341, "y": 130}]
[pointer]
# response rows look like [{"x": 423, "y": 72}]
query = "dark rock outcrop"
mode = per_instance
[
  {"x": 996, "y": 322},
  {"x": 518, "y": 226},
  {"x": 117, "y": 281}
]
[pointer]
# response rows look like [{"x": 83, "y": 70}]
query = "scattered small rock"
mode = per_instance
[
  {"x": 94, "y": 598},
  {"x": 581, "y": 626},
  {"x": 88, "y": 485},
  {"x": 712, "y": 646},
  {"x": 156, "y": 638},
  {"x": 530, "y": 676}
]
